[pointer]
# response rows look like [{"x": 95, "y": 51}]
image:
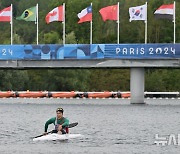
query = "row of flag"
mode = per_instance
[{"x": 108, "y": 13}]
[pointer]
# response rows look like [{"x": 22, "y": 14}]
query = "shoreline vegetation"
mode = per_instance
[{"x": 156, "y": 80}]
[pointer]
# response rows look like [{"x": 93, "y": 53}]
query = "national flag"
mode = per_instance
[
  {"x": 29, "y": 14},
  {"x": 109, "y": 12},
  {"x": 138, "y": 13},
  {"x": 55, "y": 15},
  {"x": 165, "y": 11},
  {"x": 85, "y": 15},
  {"x": 5, "y": 14}
]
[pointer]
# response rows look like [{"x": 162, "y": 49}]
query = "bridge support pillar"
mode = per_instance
[{"x": 137, "y": 86}]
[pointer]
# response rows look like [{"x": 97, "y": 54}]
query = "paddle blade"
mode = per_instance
[
  {"x": 42, "y": 134},
  {"x": 72, "y": 125},
  {"x": 37, "y": 136}
]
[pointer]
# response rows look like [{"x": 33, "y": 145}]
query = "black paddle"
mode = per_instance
[
  {"x": 71, "y": 125},
  {"x": 68, "y": 126}
]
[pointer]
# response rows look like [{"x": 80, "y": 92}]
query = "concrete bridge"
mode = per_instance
[{"x": 137, "y": 57}]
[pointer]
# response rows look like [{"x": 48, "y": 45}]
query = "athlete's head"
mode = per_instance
[{"x": 59, "y": 112}]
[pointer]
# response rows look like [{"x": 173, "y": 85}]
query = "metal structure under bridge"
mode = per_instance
[{"x": 137, "y": 57}]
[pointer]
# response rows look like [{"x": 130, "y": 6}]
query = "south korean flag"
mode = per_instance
[{"x": 138, "y": 13}]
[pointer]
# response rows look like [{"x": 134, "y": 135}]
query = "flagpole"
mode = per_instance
[
  {"x": 11, "y": 24},
  {"x": 37, "y": 22},
  {"x": 146, "y": 25},
  {"x": 91, "y": 26},
  {"x": 174, "y": 22},
  {"x": 118, "y": 24},
  {"x": 64, "y": 24}
]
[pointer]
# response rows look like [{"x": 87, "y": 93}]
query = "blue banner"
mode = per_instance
[{"x": 86, "y": 51}]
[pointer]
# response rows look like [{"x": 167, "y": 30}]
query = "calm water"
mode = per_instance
[{"x": 108, "y": 125}]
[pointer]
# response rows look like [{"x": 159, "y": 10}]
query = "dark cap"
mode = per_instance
[{"x": 59, "y": 110}]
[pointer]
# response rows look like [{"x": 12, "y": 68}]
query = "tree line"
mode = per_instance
[{"x": 159, "y": 31}]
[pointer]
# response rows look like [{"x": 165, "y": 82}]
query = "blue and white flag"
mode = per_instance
[{"x": 138, "y": 13}]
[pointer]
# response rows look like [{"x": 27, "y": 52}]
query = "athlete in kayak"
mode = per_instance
[{"x": 59, "y": 121}]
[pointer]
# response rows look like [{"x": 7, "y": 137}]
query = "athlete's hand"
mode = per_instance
[{"x": 59, "y": 127}]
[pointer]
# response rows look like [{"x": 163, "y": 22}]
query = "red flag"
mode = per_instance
[
  {"x": 5, "y": 15},
  {"x": 55, "y": 15},
  {"x": 109, "y": 12}
]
